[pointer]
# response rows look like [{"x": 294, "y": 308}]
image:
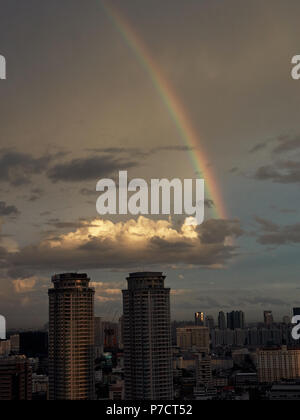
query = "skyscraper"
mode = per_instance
[
  {"x": 235, "y": 319},
  {"x": 199, "y": 319},
  {"x": 268, "y": 318},
  {"x": 147, "y": 338},
  {"x": 71, "y": 338},
  {"x": 98, "y": 336},
  {"x": 222, "y": 321},
  {"x": 209, "y": 322}
]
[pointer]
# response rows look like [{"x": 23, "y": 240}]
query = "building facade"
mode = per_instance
[
  {"x": 193, "y": 337},
  {"x": 71, "y": 338},
  {"x": 15, "y": 379},
  {"x": 147, "y": 338},
  {"x": 274, "y": 365}
]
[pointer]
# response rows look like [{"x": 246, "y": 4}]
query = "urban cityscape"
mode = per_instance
[
  {"x": 149, "y": 202},
  {"x": 144, "y": 355}
]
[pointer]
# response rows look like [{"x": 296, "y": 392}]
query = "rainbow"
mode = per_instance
[{"x": 174, "y": 106}]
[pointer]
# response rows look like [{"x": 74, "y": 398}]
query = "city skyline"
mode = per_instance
[{"x": 161, "y": 89}]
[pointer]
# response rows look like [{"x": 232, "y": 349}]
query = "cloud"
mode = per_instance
[
  {"x": 134, "y": 243},
  {"x": 285, "y": 172},
  {"x": 277, "y": 235},
  {"x": 36, "y": 194},
  {"x": 90, "y": 168},
  {"x": 6, "y": 210},
  {"x": 17, "y": 168},
  {"x": 258, "y": 147},
  {"x": 25, "y": 285},
  {"x": 287, "y": 144}
]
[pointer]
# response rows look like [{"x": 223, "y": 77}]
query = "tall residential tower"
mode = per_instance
[
  {"x": 71, "y": 338},
  {"x": 147, "y": 338}
]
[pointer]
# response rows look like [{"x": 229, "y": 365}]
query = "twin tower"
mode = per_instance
[{"x": 146, "y": 338}]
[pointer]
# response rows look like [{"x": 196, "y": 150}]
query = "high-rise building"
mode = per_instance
[
  {"x": 199, "y": 319},
  {"x": 110, "y": 335},
  {"x": 98, "y": 336},
  {"x": 15, "y": 343},
  {"x": 193, "y": 337},
  {"x": 209, "y": 322},
  {"x": 15, "y": 378},
  {"x": 235, "y": 319},
  {"x": 268, "y": 318},
  {"x": 203, "y": 370},
  {"x": 222, "y": 321},
  {"x": 273, "y": 365},
  {"x": 147, "y": 338},
  {"x": 71, "y": 338}
]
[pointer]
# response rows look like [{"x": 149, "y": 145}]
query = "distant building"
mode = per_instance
[
  {"x": 116, "y": 391},
  {"x": 203, "y": 370},
  {"x": 5, "y": 347},
  {"x": 246, "y": 379},
  {"x": 110, "y": 331},
  {"x": 15, "y": 343},
  {"x": 71, "y": 338},
  {"x": 40, "y": 387},
  {"x": 199, "y": 319},
  {"x": 209, "y": 322},
  {"x": 15, "y": 378},
  {"x": 273, "y": 365},
  {"x": 193, "y": 337},
  {"x": 121, "y": 332},
  {"x": 147, "y": 338},
  {"x": 98, "y": 336},
  {"x": 268, "y": 318},
  {"x": 222, "y": 321},
  {"x": 235, "y": 319}
]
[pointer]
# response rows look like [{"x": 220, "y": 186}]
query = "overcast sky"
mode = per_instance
[{"x": 78, "y": 106}]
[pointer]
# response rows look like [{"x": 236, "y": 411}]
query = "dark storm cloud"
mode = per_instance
[
  {"x": 141, "y": 152},
  {"x": 266, "y": 225},
  {"x": 216, "y": 231},
  {"x": 17, "y": 168},
  {"x": 90, "y": 168},
  {"x": 285, "y": 172},
  {"x": 273, "y": 234},
  {"x": 57, "y": 224},
  {"x": 6, "y": 210}
]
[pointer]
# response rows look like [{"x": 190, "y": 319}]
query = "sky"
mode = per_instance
[{"x": 79, "y": 105}]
